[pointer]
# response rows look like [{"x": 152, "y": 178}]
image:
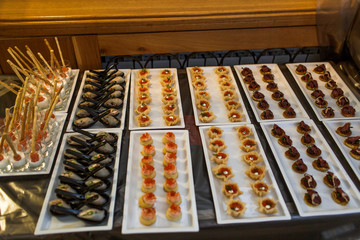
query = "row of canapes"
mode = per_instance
[
  {"x": 352, "y": 142},
  {"x": 235, "y": 207},
  {"x": 311, "y": 197},
  {"x": 336, "y": 93},
  {"x": 148, "y": 199},
  {"x": 169, "y": 98}
]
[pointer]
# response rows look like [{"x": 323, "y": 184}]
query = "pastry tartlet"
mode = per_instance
[
  {"x": 173, "y": 213},
  {"x": 302, "y": 127},
  {"x": 243, "y": 131},
  {"x": 325, "y": 77},
  {"x": 253, "y": 86},
  {"x": 143, "y": 73},
  {"x": 169, "y": 108},
  {"x": 340, "y": 197},
  {"x": 214, "y": 132},
  {"x": 202, "y": 95},
  {"x": 352, "y": 142},
  {"x": 277, "y": 131},
  {"x": 235, "y": 208},
  {"x": 312, "y": 198},
  {"x": 143, "y": 108},
  {"x": 226, "y": 85},
  {"x": 345, "y": 130},
  {"x": 143, "y": 120},
  {"x": 272, "y": 87},
  {"x": 342, "y": 101},
  {"x": 268, "y": 77},
  {"x": 307, "y": 77},
  {"x": 312, "y": 85},
  {"x": 256, "y": 172},
  {"x": 320, "y": 69},
  {"x": 299, "y": 166},
  {"x": 199, "y": 85},
  {"x": 267, "y": 205},
  {"x": 232, "y": 105},
  {"x": 292, "y": 153},
  {"x": 284, "y": 104},
  {"x": 147, "y": 200},
  {"x": 321, "y": 102},
  {"x": 142, "y": 89},
  {"x": 277, "y": 95},
  {"x": 265, "y": 70},
  {"x": 144, "y": 98},
  {"x": 168, "y": 89},
  {"x": 246, "y": 71},
  {"x": 331, "y": 180},
  {"x": 234, "y": 116},
  {"x": 217, "y": 145},
  {"x": 221, "y": 70},
  {"x": 263, "y": 105},
  {"x": 148, "y": 216},
  {"x": 166, "y": 73},
  {"x": 258, "y": 96},
  {"x": 203, "y": 104},
  {"x": 173, "y": 198},
  {"x": 307, "y": 139},
  {"x": 146, "y": 139},
  {"x": 348, "y": 111},
  {"x": 328, "y": 112},
  {"x": 355, "y": 153},
  {"x": 207, "y": 116},
  {"x": 223, "y": 172},
  {"x": 320, "y": 164},
  {"x": 331, "y": 85},
  {"x": 231, "y": 190},
  {"x": 198, "y": 77},
  {"x": 170, "y": 185},
  {"x": 169, "y": 99},
  {"x": 260, "y": 188},
  {"x": 229, "y": 95},
  {"x": 148, "y": 185},
  {"x": 252, "y": 158},
  {"x": 336, "y": 93},
  {"x": 285, "y": 141},
  {"x": 289, "y": 113},
  {"x": 171, "y": 119},
  {"x": 196, "y": 70},
  {"x": 224, "y": 78},
  {"x": 248, "y": 145},
  {"x": 266, "y": 115},
  {"x": 308, "y": 182},
  {"x": 220, "y": 158},
  {"x": 143, "y": 82},
  {"x": 301, "y": 69}
]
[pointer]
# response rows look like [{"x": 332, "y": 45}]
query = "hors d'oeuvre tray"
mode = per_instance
[
  {"x": 316, "y": 179},
  {"x": 269, "y": 94},
  {"x": 346, "y": 134},
  {"x": 155, "y": 99},
  {"x": 101, "y": 100},
  {"x": 159, "y": 194},
  {"x": 243, "y": 186},
  {"x": 215, "y": 96},
  {"x": 69, "y": 88},
  {"x": 326, "y": 92},
  {"x": 82, "y": 190},
  {"x": 49, "y": 145}
]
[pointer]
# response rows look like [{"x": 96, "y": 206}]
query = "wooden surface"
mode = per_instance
[{"x": 142, "y": 27}]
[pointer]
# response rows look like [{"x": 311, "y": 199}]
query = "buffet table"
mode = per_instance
[{"x": 22, "y": 198}]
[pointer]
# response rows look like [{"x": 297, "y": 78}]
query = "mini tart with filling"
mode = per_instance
[
  {"x": 355, "y": 153},
  {"x": 235, "y": 208},
  {"x": 234, "y": 116},
  {"x": 166, "y": 73},
  {"x": 248, "y": 145},
  {"x": 198, "y": 77},
  {"x": 221, "y": 70},
  {"x": 202, "y": 94},
  {"x": 206, "y": 116},
  {"x": 143, "y": 82},
  {"x": 143, "y": 120},
  {"x": 167, "y": 81},
  {"x": 260, "y": 188},
  {"x": 320, "y": 164},
  {"x": 229, "y": 95},
  {"x": 144, "y": 98},
  {"x": 292, "y": 153},
  {"x": 308, "y": 182},
  {"x": 340, "y": 197},
  {"x": 199, "y": 85},
  {"x": 232, "y": 105},
  {"x": 197, "y": 70},
  {"x": 231, "y": 190},
  {"x": 220, "y": 158},
  {"x": 223, "y": 172},
  {"x": 214, "y": 132},
  {"x": 143, "y": 108},
  {"x": 169, "y": 108},
  {"x": 256, "y": 172},
  {"x": 224, "y": 78},
  {"x": 168, "y": 89},
  {"x": 143, "y": 73},
  {"x": 267, "y": 205},
  {"x": 312, "y": 198},
  {"x": 169, "y": 99},
  {"x": 252, "y": 158},
  {"x": 243, "y": 131},
  {"x": 203, "y": 104},
  {"x": 217, "y": 145},
  {"x": 171, "y": 119},
  {"x": 224, "y": 85}
]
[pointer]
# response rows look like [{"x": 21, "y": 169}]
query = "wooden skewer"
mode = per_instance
[
  {"x": 20, "y": 58},
  {"x": 31, "y": 55},
  {"x": 60, "y": 52},
  {"x": 15, "y": 86},
  {"x": 19, "y": 70},
  {"x": 30, "y": 112},
  {"x": 47, "y": 44},
  {"x": 46, "y": 63},
  {"x": 55, "y": 60},
  {"x": 15, "y": 111},
  {"x": 8, "y": 87},
  {"x": 24, "y": 56},
  {"x": 52, "y": 60},
  {"x": 23, "y": 93},
  {"x": 11, "y": 144},
  {"x": 6, "y": 128},
  {"x": 50, "y": 112},
  {"x": 23, "y": 122},
  {"x": 16, "y": 60},
  {"x": 33, "y": 136},
  {"x": 37, "y": 92}
]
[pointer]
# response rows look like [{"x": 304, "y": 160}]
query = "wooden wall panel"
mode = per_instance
[
  {"x": 196, "y": 41},
  {"x": 87, "y": 52}
]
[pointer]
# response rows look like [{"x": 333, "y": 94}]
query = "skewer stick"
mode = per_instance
[
  {"x": 37, "y": 93},
  {"x": 60, "y": 52},
  {"x": 24, "y": 56},
  {"x": 23, "y": 122},
  {"x": 47, "y": 44},
  {"x": 29, "y": 114},
  {"x": 46, "y": 63},
  {"x": 11, "y": 144},
  {"x": 18, "y": 56},
  {"x": 6, "y": 128},
  {"x": 52, "y": 60},
  {"x": 15, "y": 111},
  {"x": 15, "y": 86},
  {"x": 23, "y": 94},
  {"x": 55, "y": 59},
  {"x": 8, "y": 87},
  {"x": 33, "y": 134},
  {"x": 19, "y": 70},
  {"x": 16, "y": 60},
  {"x": 50, "y": 112},
  {"x": 38, "y": 65}
]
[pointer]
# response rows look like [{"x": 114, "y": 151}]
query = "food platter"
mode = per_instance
[
  {"x": 188, "y": 222},
  {"x": 239, "y": 167},
  {"x": 273, "y": 105},
  {"x": 331, "y": 101},
  {"x": 217, "y": 100},
  {"x": 327, "y": 205},
  {"x": 155, "y": 90},
  {"x": 49, "y": 223}
]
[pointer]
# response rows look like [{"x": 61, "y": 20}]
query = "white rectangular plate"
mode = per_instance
[
  {"x": 216, "y": 100},
  {"x": 239, "y": 167},
  {"x": 156, "y": 114},
  {"x": 66, "y": 105},
  {"x": 60, "y": 118},
  {"x": 51, "y": 224},
  {"x": 189, "y": 221},
  {"x": 331, "y": 102},
  {"x": 283, "y": 86},
  {"x": 292, "y": 179},
  {"x": 99, "y": 125},
  {"x": 332, "y": 126}
]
